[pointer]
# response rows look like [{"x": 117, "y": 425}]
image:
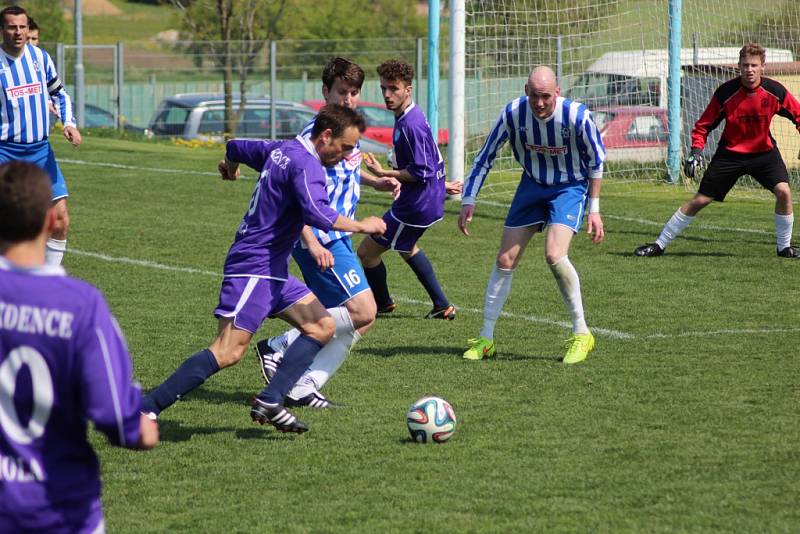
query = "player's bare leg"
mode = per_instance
[
  {"x": 57, "y": 242},
  {"x": 512, "y": 245}
]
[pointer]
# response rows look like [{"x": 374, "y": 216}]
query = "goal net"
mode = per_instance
[{"x": 612, "y": 55}]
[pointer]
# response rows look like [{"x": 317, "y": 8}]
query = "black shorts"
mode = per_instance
[{"x": 726, "y": 167}]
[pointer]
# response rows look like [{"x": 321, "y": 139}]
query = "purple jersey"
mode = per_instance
[
  {"x": 289, "y": 193},
  {"x": 63, "y": 362},
  {"x": 420, "y": 203}
]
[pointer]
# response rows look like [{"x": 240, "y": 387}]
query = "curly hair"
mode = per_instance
[{"x": 396, "y": 69}]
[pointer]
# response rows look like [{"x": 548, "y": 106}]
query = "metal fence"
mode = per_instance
[{"x": 128, "y": 80}]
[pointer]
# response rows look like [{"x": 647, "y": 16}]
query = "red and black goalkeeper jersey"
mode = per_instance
[{"x": 748, "y": 114}]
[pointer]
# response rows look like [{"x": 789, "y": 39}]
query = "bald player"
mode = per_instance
[{"x": 558, "y": 146}]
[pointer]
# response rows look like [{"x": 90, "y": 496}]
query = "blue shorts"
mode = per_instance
[
  {"x": 249, "y": 300},
  {"x": 399, "y": 236},
  {"x": 535, "y": 203},
  {"x": 335, "y": 286},
  {"x": 41, "y": 154}
]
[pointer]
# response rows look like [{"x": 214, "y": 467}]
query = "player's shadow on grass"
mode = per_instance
[
  {"x": 650, "y": 237},
  {"x": 453, "y": 353},
  {"x": 174, "y": 432},
  {"x": 686, "y": 254}
]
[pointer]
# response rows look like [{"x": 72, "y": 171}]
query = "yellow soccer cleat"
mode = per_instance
[
  {"x": 578, "y": 347},
  {"x": 479, "y": 348}
]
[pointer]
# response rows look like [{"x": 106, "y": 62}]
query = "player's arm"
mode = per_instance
[
  {"x": 61, "y": 101},
  {"x": 391, "y": 185},
  {"x": 108, "y": 396},
  {"x": 790, "y": 109},
  {"x": 709, "y": 120},
  {"x": 594, "y": 222},
  {"x": 483, "y": 163},
  {"x": 251, "y": 152},
  {"x": 401, "y": 175},
  {"x": 322, "y": 256}
]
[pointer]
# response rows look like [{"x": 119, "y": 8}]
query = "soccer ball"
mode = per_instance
[{"x": 431, "y": 419}]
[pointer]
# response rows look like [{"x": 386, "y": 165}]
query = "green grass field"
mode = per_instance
[{"x": 684, "y": 418}]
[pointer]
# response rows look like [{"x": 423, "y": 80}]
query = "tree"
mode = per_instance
[
  {"x": 236, "y": 31},
  {"x": 49, "y": 15}
]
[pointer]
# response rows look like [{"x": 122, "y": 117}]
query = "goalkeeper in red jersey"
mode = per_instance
[{"x": 747, "y": 104}]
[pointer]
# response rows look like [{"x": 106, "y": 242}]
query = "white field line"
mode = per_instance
[
  {"x": 644, "y": 222},
  {"x": 154, "y": 265},
  {"x": 615, "y": 334},
  {"x": 602, "y": 331}
]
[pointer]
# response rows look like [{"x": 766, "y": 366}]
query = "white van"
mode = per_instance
[{"x": 639, "y": 77}]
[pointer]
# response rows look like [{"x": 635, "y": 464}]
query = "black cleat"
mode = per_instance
[
  {"x": 650, "y": 249},
  {"x": 313, "y": 400},
  {"x": 448, "y": 313},
  {"x": 277, "y": 416},
  {"x": 268, "y": 359},
  {"x": 389, "y": 308},
  {"x": 789, "y": 252}
]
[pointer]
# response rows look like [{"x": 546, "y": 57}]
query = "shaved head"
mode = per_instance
[
  {"x": 542, "y": 76},
  {"x": 542, "y": 91}
]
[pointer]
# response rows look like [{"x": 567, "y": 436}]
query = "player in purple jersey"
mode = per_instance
[
  {"x": 329, "y": 265},
  {"x": 29, "y": 81},
  {"x": 563, "y": 140},
  {"x": 419, "y": 166},
  {"x": 63, "y": 362},
  {"x": 256, "y": 283}
]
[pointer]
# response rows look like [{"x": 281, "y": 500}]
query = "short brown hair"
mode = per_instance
[
  {"x": 337, "y": 119},
  {"x": 344, "y": 69},
  {"x": 396, "y": 69},
  {"x": 11, "y": 10},
  {"x": 753, "y": 49},
  {"x": 25, "y": 197}
]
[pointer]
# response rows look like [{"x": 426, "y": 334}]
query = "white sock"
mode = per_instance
[
  {"x": 496, "y": 295},
  {"x": 675, "y": 225},
  {"x": 55, "y": 251},
  {"x": 570, "y": 286},
  {"x": 325, "y": 364},
  {"x": 330, "y": 358},
  {"x": 783, "y": 230}
]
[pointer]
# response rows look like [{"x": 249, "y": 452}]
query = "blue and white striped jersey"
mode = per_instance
[
  {"x": 28, "y": 82},
  {"x": 343, "y": 183},
  {"x": 565, "y": 147}
]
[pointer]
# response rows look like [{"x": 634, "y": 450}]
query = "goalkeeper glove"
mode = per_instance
[{"x": 694, "y": 160}]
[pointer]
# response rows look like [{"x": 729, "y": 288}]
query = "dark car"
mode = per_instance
[
  {"x": 202, "y": 116},
  {"x": 97, "y": 117}
]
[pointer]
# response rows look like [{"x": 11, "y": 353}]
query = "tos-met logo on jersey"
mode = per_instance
[{"x": 20, "y": 91}]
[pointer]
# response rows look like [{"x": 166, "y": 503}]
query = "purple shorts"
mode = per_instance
[
  {"x": 250, "y": 299},
  {"x": 399, "y": 236}
]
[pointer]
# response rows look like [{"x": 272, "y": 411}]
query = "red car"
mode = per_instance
[
  {"x": 380, "y": 121},
  {"x": 633, "y": 133}
]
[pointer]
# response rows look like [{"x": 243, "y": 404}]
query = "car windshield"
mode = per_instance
[
  {"x": 255, "y": 122},
  {"x": 171, "y": 120},
  {"x": 377, "y": 117},
  {"x": 599, "y": 89},
  {"x": 602, "y": 118}
]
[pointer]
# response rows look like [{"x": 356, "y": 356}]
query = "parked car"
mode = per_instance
[
  {"x": 633, "y": 133},
  {"x": 380, "y": 121},
  {"x": 202, "y": 116},
  {"x": 97, "y": 117}
]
